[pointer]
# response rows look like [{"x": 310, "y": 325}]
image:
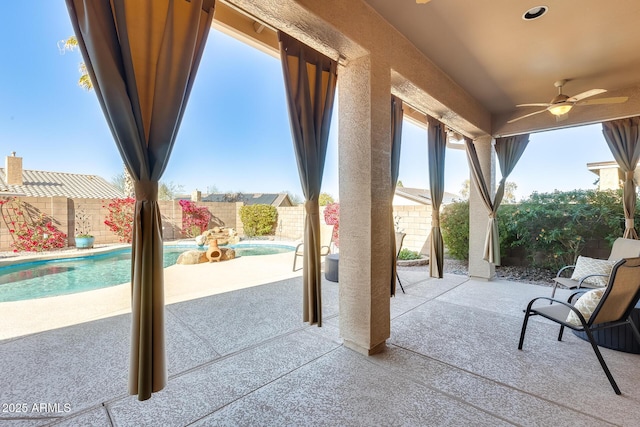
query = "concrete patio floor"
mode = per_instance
[{"x": 244, "y": 358}]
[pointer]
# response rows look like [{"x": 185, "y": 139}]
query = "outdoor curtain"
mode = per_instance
[
  {"x": 509, "y": 150},
  {"x": 396, "y": 140},
  {"x": 142, "y": 57},
  {"x": 437, "y": 144},
  {"x": 310, "y": 83},
  {"x": 623, "y": 138}
]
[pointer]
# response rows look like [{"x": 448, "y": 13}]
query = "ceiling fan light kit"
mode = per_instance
[
  {"x": 561, "y": 104},
  {"x": 560, "y": 109}
]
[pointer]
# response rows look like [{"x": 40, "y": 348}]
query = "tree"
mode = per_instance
[
  {"x": 124, "y": 182},
  {"x": 118, "y": 181},
  {"x": 168, "y": 191},
  {"x": 231, "y": 197},
  {"x": 325, "y": 198},
  {"x": 399, "y": 184},
  {"x": 212, "y": 189},
  {"x": 295, "y": 199},
  {"x": 464, "y": 191},
  {"x": 509, "y": 191},
  {"x": 71, "y": 44}
]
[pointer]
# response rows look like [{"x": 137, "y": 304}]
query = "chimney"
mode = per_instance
[
  {"x": 196, "y": 196},
  {"x": 13, "y": 170}
]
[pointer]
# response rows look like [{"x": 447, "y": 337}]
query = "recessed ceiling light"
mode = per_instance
[{"x": 535, "y": 12}]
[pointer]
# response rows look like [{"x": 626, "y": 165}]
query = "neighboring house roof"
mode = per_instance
[
  {"x": 610, "y": 174},
  {"x": 60, "y": 184},
  {"x": 274, "y": 199},
  {"x": 596, "y": 166},
  {"x": 423, "y": 196}
]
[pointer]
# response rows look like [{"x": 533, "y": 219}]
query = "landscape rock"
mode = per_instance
[
  {"x": 192, "y": 257},
  {"x": 227, "y": 254},
  {"x": 197, "y": 257}
]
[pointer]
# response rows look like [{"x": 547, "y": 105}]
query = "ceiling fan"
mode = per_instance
[{"x": 560, "y": 105}]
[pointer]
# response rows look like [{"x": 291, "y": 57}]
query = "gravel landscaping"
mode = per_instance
[{"x": 535, "y": 276}]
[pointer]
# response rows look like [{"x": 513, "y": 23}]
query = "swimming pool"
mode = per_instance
[{"x": 40, "y": 279}]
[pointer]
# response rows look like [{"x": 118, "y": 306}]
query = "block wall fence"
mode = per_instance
[
  {"x": 62, "y": 212},
  {"x": 415, "y": 221}
]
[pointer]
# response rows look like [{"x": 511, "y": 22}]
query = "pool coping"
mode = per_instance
[{"x": 68, "y": 253}]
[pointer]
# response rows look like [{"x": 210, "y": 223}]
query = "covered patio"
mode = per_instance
[
  {"x": 244, "y": 358},
  {"x": 445, "y": 352}
]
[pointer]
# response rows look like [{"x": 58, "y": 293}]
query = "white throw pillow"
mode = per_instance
[
  {"x": 585, "y": 305},
  {"x": 586, "y": 266}
]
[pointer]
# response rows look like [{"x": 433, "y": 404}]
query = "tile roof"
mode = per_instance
[{"x": 52, "y": 184}]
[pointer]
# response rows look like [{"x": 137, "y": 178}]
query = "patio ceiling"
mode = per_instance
[
  {"x": 502, "y": 60},
  {"x": 488, "y": 51}
]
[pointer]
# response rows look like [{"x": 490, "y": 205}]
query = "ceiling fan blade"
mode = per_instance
[
  {"x": 587, "y": 94},
  {"x": 612, "y": 100},
  {"x": 525, "y": 116},
  {"x": 539, "y": 104}
]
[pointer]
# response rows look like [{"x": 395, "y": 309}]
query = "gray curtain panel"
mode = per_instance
[
  {"x": 142, "y": 57},
  {"x": 396, "y": 140},
  {"x": 310, "y": 83},
  {"x": 437, "y": 145},
  {"x": 492, "y": 242},
  {"x": 623, "y": 138},
  {"x": 509, "y": 150}
]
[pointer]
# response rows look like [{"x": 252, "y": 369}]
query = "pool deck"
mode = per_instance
[
  {"x": 245, "y": 358},
  {"x": 182, "y": 282}
]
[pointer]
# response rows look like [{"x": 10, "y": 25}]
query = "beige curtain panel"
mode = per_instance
[
  {"x": 437, "y": 145},
  {"x": 310, "y": 83},
  {"x": 396, "y": 141},
  {"x": 623, "y": 138},
  {"x": 508, "y": 150},
  {"x": 142, "y": 57}
]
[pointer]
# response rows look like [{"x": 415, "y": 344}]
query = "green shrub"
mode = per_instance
[
  {"x": 555, "y": 227},
  {"x": 406, "y": 254},
  {"x": 552, "y": 228},
  {"x": 454, "y": 223},
  {"x": 258, "y": 220}
]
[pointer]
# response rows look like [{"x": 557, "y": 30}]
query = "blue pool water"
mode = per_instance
[{"x": 39, "y": 279}]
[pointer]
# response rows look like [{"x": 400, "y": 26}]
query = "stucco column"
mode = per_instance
[
  {"x": 365, "y": 219},
  {"x": 478, "y": 216}
]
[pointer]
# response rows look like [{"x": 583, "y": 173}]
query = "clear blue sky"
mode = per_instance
[{"x": 235, "y": 133}]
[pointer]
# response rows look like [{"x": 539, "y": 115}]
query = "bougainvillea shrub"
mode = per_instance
[{"x": 120, "y": 218}]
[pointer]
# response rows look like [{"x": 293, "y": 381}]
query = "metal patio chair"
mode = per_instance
[
  {"x": 326, "y": 237},
  {"x": 614, "y": 309},
  {"x": 622, "y": 248}
]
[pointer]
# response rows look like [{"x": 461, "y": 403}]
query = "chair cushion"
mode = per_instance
[
  {"x": 586, "y": 304},
  {"x": 586, "y": 266}
]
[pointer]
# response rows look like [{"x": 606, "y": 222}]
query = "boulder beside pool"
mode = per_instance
[{"x": 196, "y": 257}]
